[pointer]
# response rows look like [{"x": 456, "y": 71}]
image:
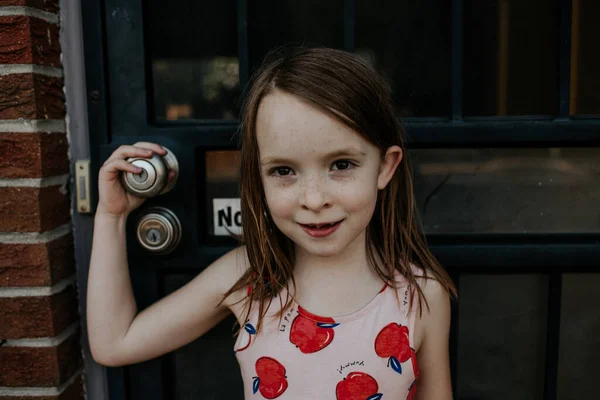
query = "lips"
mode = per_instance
[
  {"x": 321, "y": 229},
  {"x": 318, "y": 226}
]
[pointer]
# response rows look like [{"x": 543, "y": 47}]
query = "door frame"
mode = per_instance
[{"x": 76, "y": 66}]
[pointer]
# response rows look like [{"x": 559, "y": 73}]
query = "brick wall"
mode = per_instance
[{"x": 40, "y": 356}]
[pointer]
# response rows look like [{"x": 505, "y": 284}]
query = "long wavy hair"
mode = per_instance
[{"x": 344, "y": 86}]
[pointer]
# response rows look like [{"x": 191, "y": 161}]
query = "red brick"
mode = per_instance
[
  {"x": 42, "y": 316},
  {"x": 28, "y": 40},
  {"x": 31, "y": 96},
  {"x": 40, "y": 366},
  {"x": 73, "y": 392},
  {"x": 27, "y": 209},
  {"x": 45, "y": 5},
  {"x": 40, "y": 264},
  {"x": 33, "y": 155}
]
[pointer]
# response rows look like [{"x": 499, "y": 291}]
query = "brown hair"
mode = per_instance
[{"x": 346, "y": 87}]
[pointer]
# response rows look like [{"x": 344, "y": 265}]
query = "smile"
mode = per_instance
[{"x": 321, "y": 230}]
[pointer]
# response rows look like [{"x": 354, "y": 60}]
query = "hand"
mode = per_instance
[{"x": 112, "y": 198}]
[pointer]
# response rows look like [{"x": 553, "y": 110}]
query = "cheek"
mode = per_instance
[
  {"x": 361, "y": 202},
  {"x": 280, "y": 202},
  {"x": 360, "y": 195}
]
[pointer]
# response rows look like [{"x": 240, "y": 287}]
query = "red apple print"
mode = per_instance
[
  {"x": 392, "y": 342},
  {"x": 271, "y": 380},
  {"x": 412, "y": 390},
  {"x": 309, "y": 335},
  {"x": 246, "y": 336},
  {"x": 413, "y": 387},
  {"x": 414, "y": 364},
  {"x": 357, "y": 386}
]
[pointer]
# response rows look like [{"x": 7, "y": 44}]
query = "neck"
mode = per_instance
[
  {"x": 336, "y": 285},
  {"x": 351, "y": 262}
]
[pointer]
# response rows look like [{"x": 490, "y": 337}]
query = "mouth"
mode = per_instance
[{"x": 321, "y": 229}]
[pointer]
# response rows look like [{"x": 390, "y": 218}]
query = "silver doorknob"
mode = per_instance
[
  {"x": 154, "y": 178},
  {"x": 158, "y": 230}
]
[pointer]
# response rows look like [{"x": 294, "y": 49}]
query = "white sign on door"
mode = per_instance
[{"x": 227, "y": 217}]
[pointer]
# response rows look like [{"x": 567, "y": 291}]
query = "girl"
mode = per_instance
[{"x": 335, "y": 291}]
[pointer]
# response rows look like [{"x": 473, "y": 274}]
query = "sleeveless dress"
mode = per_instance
[{"x": 366, "y": 355}]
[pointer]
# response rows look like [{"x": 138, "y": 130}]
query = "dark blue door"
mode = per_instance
[{"x": 500, "y": 104}]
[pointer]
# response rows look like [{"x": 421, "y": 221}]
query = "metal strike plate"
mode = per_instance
[{"x": 82, "y": 186}]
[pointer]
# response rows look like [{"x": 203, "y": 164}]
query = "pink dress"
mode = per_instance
[{"x": 366, "y": 355}]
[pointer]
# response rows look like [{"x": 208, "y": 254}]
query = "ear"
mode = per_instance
[{"x": 390, "y": 162}]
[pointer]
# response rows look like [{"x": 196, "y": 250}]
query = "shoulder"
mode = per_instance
[
  {"x": 435, "y": 296},
  {"x": 229, "y": 268},
  {"x": 433, "y": 327},
  {"x": 431, "y": 309},
  {"x": 433, "y": 317},
  {"x": 437, "y": 301},
  {"x": 224, "y": 272},
  {"x": 235, "y": 261}
]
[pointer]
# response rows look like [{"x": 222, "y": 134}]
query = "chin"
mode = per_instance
[
  {"x": 317, "y": 249},
  {"x": 321, "y": 251}
]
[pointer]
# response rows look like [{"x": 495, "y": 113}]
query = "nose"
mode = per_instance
[{"x": 315, "y": 195}]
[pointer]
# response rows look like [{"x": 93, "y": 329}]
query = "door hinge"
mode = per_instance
[{"x": 82, "y": 186}]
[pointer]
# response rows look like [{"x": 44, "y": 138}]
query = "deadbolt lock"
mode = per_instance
[
  {"x": 154, "y": 178},
  {"x": 158, "y": 230}
]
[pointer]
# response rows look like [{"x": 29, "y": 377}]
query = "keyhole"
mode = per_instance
[
  {"x": 141, "y": 177},
  {"x": 153, "y": 235}
]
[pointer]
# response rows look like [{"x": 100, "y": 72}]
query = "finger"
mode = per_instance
[
  {"x": 127, "y": 151},
  {"x": 157, "y": 148},
  {"x": 118, "y": 165}
]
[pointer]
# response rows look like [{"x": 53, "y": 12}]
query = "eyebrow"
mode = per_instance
[{"x": 350, "y": 151}]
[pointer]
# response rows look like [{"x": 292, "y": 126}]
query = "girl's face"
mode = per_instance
[{"x": 320, "y": 178}]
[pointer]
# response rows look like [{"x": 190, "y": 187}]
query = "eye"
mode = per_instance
[
  {"x": 342, "y": 165},
  {"x": 281, "y": 171}
]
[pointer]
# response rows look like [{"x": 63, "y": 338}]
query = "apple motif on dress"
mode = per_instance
[
  {"x": 246, "y": 337},
  {"x": 412, "y": 390},
  {"x": 357, "y": 386},
  {"x": 392, "y": 343},
  {"x": 270, "y": 381},
  {"x": 310, "y": 336}
]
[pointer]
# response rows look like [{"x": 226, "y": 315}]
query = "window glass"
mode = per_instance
[
  {"x": 221, "y": 193},
  {"x": 520, "y": 190},
  {"x": 280, "y": 22},
  {"x": 193, "y": 50},
  {"x": 510, "y": 62},
  {"x": 579, "y": 337},
  {"x": 501, "y": 336},
  {"x": 408, "y": 42},
  {"x": 585, "y": 59}
]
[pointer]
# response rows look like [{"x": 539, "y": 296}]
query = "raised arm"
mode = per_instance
[{"x": 118, "y": 334}]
